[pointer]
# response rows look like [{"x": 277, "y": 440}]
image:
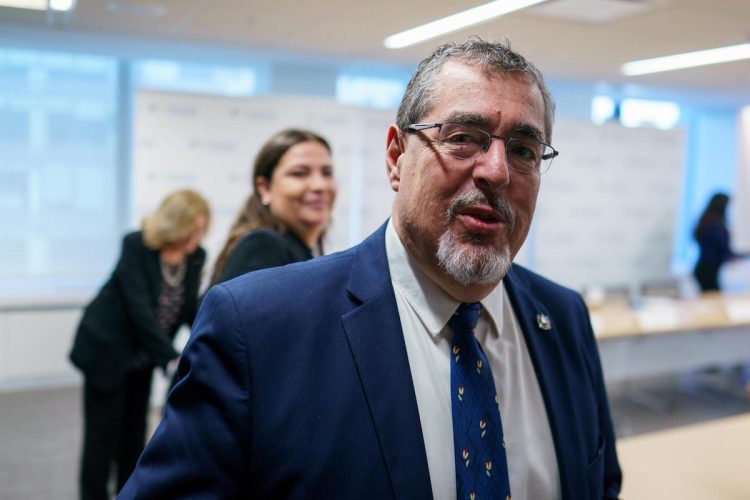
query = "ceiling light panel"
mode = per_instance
[
  {"x": 456, "y": 22},
  {"x": 687, "y": 60}
]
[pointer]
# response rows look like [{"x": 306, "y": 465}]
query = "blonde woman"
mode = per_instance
[{"x": 127, "y": 331}]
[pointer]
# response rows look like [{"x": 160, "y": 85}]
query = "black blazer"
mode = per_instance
[
  {"x": 119, "y": 329},
  {"x": 263, "y": 248}
]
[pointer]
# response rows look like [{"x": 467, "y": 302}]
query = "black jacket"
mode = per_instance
[
  {"x": 119, "y": 329},
  {"x": 263, "y": 248}
]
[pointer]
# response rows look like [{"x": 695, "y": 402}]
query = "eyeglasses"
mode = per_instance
[{"x": 524, "y": 154}]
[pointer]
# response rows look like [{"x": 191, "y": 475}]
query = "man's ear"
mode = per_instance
[
  {"x": 263, "y": 189},
  {"x": 393, "y": 153}
]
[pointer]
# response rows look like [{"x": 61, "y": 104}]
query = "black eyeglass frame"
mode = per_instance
[{"x": 419, "y": 127}]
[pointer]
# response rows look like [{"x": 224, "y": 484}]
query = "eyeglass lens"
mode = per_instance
[{"x": 464, "y": 142}]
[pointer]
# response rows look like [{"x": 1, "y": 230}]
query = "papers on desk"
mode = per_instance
[
  {"x": 613, "y": 321},
  {"x": 738, "y": 310},
  {"x": 666, "y": 315},
  {"x": 658, "y": 316}
]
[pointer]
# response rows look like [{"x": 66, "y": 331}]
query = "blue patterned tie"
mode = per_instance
[{"x": 481, "y": 466}]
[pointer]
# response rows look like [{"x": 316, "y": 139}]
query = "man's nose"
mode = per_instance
[{"x": 492, "y": 171}]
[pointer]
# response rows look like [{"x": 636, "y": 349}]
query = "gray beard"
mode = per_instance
[{"x": 472, "y": 262}]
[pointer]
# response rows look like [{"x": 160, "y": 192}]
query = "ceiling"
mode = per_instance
[{"x": 568, "y": 39}]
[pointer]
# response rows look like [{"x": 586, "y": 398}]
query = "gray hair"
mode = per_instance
[{"x": 496, "y": 58}]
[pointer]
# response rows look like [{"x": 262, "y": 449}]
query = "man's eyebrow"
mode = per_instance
[
  {"x": 529, "y": 131},
  {"x": 483, "y": 121},
  {"x": 468, "y": 118}
]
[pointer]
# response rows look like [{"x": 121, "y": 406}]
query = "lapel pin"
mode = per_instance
[{"x": 543, "y": 322}]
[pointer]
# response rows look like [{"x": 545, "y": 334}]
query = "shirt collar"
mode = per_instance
[{"x": 430, "y": 303}]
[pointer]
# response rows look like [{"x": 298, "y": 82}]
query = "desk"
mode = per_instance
[
  {"x": 705, "y": 461},
  {"x": 667, "y": 336}
]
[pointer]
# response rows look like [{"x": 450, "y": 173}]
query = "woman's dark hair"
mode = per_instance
[
  {"x": 715, "y": 213},
  {"x": 254, "y": 214}
]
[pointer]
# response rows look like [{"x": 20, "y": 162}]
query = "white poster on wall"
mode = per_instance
[
  {"x": 208, "y": 143},
  {"x": 607, "y": 206}
]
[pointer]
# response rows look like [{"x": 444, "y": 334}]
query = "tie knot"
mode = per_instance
[{"x": 464, "y": 320}]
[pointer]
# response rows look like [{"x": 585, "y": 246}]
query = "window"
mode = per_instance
[
  {"x": 603, "y": 109},
  {"x": 369, "y": 91},
  {"x": 635, "y": 112},
  {"x": 641, "y": 112},
  {"x": 58, "y": 169},
  {"x": 195, "y": 78}
]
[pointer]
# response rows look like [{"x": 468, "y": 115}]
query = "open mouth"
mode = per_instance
[
  {"x": 485, "y": 214},
  {"x": 481, "y": 219},
  {"x": 486, "y": 217},
  {"x": 481, "y": 214}
]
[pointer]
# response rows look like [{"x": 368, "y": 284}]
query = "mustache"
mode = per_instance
[{"x": 499, "y": 204}]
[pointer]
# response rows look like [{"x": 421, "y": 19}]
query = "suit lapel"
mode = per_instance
[
  {"x": 374, "y": 334},
  {"x": 550, "y": 368}
]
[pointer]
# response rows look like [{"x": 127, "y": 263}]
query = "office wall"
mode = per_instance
[
  {"x": 606, "y": 208},
  {"x": 741, "y": 202},
  {"x": 34, "y": 343}
]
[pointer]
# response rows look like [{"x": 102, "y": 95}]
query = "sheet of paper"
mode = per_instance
[
  {"x": 738, "y": 310},
  {"x": 663, "y": 317}
]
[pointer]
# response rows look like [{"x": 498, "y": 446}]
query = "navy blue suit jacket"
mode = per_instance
[{"x": 296, "y": 384}]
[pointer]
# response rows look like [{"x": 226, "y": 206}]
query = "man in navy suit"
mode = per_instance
[{"x": 332, "y": 378}]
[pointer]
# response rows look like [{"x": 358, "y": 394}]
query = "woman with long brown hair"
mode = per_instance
[{"x": 284, "y": 219}]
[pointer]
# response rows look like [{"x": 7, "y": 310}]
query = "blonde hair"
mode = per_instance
[{"x": 175, "y": 218}]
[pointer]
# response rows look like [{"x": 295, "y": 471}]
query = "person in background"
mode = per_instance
[
  {"x": 714, "y": 242},
  {"x": 713, "y": 239},
  {"x": 284, "y": 220},
  {"x": 127, "y": 330},
  {"x": 421, "y": 363}
]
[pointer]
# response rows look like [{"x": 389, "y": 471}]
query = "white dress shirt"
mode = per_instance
[{"x": 425, "y": 309}]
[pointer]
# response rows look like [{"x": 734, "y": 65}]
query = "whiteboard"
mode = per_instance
[
  {"x": 607, "y": 207},
  {"x": 605, "y": 213}
]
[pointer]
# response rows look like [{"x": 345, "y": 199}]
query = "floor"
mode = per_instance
[
  {"x": 40, "y": 430},
  {"x": 665, "y": 402}
]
